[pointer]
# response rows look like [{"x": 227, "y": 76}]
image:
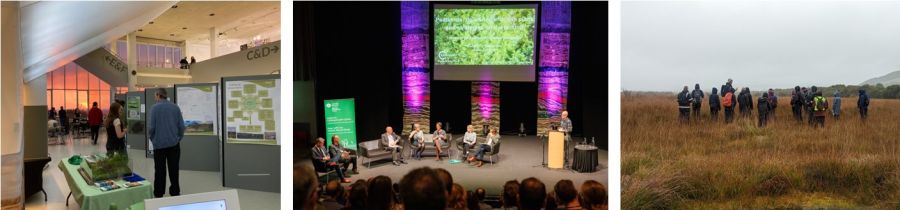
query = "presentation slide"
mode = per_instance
[
  {"x": 252, "y": 111},
  {"x": 198, "y": 113},
  {"x": 484, "y": 43}
]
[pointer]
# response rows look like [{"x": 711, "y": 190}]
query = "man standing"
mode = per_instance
[
  {"x": 63, "y": 119},
  {"x": 763, "y": 108},
  {"x": 391, "y": 142},
  {"x": 836, "y": 109},
  {"x": 166, "y": 130},
  {"x": 728, "y": 101},
  {"x": 820, "y": 107},
  {"x": 797, "y": 104},
  {"x": 684, "y": 105},
  {"x": 565, "y": 126},
  {"x": 342, "y": 155},
  {"x": 863, "y": 104},
  {"x": 95, "y": 118},
  {"x": 714, "y": 105},
  {"x": 697, "y": 95}
]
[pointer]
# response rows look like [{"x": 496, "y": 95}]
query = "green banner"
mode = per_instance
[{"x": 340, "y": 119}]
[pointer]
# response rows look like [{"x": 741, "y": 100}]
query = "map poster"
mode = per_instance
[
  {"x": 340, "y": 119},
  {"x": 252, "y": 110},
  {"x": 198, "y": 113}
]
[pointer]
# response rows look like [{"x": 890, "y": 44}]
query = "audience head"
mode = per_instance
[
  {"x": 471, "y": 200},
  {"x": 446, "y": 178},
  {"x": 550, "y": 202},
  {"x": 510, "y": 194},
  {"x": 593, "y": 195},
  {"x": 457, "y": 199},
  {"x": 565, "y": 191},
  {"x": 305, "y": 187},
  {"x": 532, "y": 194},
  {"x": 357, "y": 195},
  {"x": 381, "y": 194},
  {"x": 479, "y": 194},
  {"x": 333, "y": 189},
  {"x": 421, "y": 188}
]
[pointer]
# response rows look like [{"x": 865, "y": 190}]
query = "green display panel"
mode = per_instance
[
  {"x": 340, "y": 119},
  {"x": 251, "y": 111}
]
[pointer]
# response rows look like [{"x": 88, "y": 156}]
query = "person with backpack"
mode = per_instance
[
  {"x": 763, "y": 109},
  {"x": 727, "y": 88},
  {"x": 714, "y": 105},
  {"x": 773, "y": 103},
  {"x": 684, "y": 105},
  {"x": 745, "y": 102},
  {"x": 797, "y": 104},
  {"x": 810, "y": 105},
  {"x": 820, "y": 107},
  {"x": 728, "y": 103},
  {"x": 697, "y": 96},
  {"x": 863, "y": 104},
  {"x": 836, "y": 109}
]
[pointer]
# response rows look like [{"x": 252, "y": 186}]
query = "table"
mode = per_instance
[
  {"x": 90, "y": 197},
  {"x": 137, "y": 206},
  {"x": 586, "y": 158}
]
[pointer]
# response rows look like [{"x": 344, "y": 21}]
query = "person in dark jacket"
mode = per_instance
[
  {"x": 773, "y": 103},
  {"x": 745, "y": 102},
  {"x": 810, "y": 97},
  {"x": 63, "y": 119},
  {"x": 697, "y": 95},
  {"x": 763, "y": 109},
  {"x": 714, "y": 104},
  {"x": 728, "y": 104},
  {"x": 797, "y": 104},
  {"x": 684, "y": 105},
  {"x": 863, "y": 104},
  {"x": 727, "y": 88}
]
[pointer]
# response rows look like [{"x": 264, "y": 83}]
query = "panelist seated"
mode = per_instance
[
  {"x": 438, "y": 137},
  {"x": 391, "y": 142},
  {"x": 488, "y": 145},
  {"x": 469, "y": 140},
  {"x": 323, "y": 161},
  {"x": 343, "y": 156},
  {"x": 417, "y": 140}
]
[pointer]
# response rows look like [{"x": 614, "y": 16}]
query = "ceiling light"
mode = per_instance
[
  {"x": 212, "y": 14},
  {"x": 183, "y": 28},
  {"x": 140, "y": 30},
  {"x": 151, "y": 22},
  {"x": 174, "y": 6}
]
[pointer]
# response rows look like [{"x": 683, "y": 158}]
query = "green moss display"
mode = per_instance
[{"x": 484, "y": 36}]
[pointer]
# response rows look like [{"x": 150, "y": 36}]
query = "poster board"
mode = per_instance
[
  {"x": 251, "y": 111},
  {"x": 194, "y": 101},
  {"x": 250, "y": 165},
  {"x": 340, "y": 119}
]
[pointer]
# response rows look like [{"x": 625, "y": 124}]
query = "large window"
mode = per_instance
[
  {"x": 72, "y": 87},
  {"x": 150, "y": 55}
]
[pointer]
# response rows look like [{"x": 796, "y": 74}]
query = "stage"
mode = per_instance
[{"x": 519, "y": 158}]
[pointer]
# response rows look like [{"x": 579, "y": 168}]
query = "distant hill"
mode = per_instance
[{"x": 892, "y": 78}]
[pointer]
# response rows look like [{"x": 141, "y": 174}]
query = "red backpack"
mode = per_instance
[{"x": 726, "y": 101}]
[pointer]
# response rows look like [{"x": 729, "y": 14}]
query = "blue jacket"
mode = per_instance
[
  {"x": 836, "y": 108},
  {"x": 166, "y": 125}
]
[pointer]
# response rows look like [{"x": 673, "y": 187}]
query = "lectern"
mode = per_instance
[{"x": 555, "y": 149}]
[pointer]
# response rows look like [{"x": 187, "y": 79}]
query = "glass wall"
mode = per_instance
[
  {"x": 72, "y": 87},
  {"x": 150, "y": 55}
]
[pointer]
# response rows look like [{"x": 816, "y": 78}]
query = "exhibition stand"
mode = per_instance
[
  {"x": 136, "y": 117},
  {"x": 199, "y": 109},
  {"x": 250, "y": 126}
]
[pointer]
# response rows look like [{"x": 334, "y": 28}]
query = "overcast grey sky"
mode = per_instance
[{"x": 666, "y": 45}]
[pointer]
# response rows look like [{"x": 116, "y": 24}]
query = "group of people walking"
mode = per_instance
[{"x": 809, "y": 102}]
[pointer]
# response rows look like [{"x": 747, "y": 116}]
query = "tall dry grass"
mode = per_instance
[{"x": 710, "y": 165}]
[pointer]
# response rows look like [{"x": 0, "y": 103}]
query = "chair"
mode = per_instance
[
  {"x": 460, "y": 145},
  {"x": 322, "y": 170},
  {"x": 372, "y": 150},
  {"x": 495, "y": 150}
]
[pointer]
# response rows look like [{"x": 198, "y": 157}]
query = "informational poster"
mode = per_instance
[
  {"x": 252, "y": 111},
  {"x": 198, "y": 109},
  {"x": 134, "y": 115},
  {"x": 340, "y": 119}
]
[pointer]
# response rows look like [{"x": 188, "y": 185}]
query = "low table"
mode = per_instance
[
  {"x": 90, "y": 197},
  {"x": 586, "y": 159}
]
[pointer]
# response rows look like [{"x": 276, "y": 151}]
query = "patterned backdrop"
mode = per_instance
[
  {"x": 553, "y": 71},
  {"x": 485, "y": 105},
  {"x": 414, "y": 23}
]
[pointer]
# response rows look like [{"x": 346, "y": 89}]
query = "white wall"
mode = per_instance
[{"x": 238, "y": 64}]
